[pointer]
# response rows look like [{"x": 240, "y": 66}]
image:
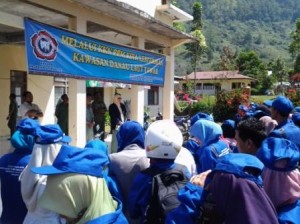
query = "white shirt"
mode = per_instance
[
  {"x": 186, "y": 159},
  {"x": 26, "y": 107}
]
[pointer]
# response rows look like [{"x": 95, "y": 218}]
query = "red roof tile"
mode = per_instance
[{"x": 209, "y": 75}]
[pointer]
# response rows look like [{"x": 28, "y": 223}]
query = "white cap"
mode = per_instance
[{"x": 163, "y": 140}]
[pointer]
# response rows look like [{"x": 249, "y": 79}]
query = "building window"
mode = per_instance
[
  {"x": 18, "y": 84},
  {"x": 61, "y": 87},
  {"x": 208, "y": 86},
  {"x": 236, "y": 85},
  {"x": 199, "y": 86},
  {"x": 153, "y": 95}
]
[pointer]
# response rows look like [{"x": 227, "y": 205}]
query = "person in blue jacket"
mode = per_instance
[
  {"x": 228, "y": 128},
  {"x": 212, "y": 145},
  {"x": 76, "y": 188},
  {"x": 11, "y": 165},
  {"x": 163, "y": 141},
  {"x": 296, "y": 116},
  {"x": 249, "y": 135},
  {"x": 192, "y": 144},
  {"x": 230, "y": 194},
  {"x": 281, "y": 177},
  {"x": 112, "y": 184},
  {"x": 129, "y": 160},
  {"x": 242, "y": 113},
  {"x": 280, "y": 111}
]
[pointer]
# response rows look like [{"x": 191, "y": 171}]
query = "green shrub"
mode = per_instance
[
  {"x": 227, "y": 104},
  {"x": 255, "y": 91},
  {"x": 201, "y": 106},
  {"x": 294, "y": 96}
]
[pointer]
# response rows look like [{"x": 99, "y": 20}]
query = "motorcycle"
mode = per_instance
[
  {"x": 146, "y": 121},
  {"x": 98, "y": 134},
  {"x": 159, "y": 116},
  {"x": 183, "y": 123}
]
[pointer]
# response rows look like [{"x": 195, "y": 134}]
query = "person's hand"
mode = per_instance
[{"x": 200, "y": 178}]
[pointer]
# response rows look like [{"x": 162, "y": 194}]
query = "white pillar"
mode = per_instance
[
  {"x": 137, "y": 92},
  {"x": 168, "y": 89},
  {"x": 77, "y": 97}
]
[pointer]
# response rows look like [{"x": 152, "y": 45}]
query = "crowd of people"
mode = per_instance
[
  {"x": 245, "y": 170},
  {"x": 95, "y": 113}
]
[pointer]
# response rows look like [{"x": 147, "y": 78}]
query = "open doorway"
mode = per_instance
[{"x": 18, "y": 84}]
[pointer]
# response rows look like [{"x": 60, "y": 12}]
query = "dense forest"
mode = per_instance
[{"x": 263, "y": 26}]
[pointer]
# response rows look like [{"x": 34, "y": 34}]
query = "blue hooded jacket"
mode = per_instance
[
  {"x": 290, "y": 213},
  {"x": 212, "y": 146},
  {"x": 235, "y": 186},
  {"x": 131, "y": 132},
  {"x": 11, "y": 165},
  {"x": 111, "y": 183},
  {"x": 288, "y": 130},
  {"x": 116, "y": 217}
]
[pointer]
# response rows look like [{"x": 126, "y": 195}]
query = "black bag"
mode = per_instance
[
  {"x": 165, "y": 186},
  {"x": 208, "y": 212}
]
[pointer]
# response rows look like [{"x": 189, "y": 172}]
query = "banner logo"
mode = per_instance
[{"x": 44, "y": 45}]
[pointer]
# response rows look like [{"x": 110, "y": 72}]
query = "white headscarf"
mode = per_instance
[{"x": 33, "y": 185}]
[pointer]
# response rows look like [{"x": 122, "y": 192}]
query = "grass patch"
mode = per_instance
[{"x": 261, "y": 98}]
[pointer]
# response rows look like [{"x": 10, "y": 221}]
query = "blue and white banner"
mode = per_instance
[{"x": 58, "y": 52}]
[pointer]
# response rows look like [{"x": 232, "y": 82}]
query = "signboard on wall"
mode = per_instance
[
  {"x": 95, "y": 83},
  {"x": 59, "y": 52}
]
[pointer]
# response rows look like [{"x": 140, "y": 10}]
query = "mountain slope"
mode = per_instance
[{"x": 263, "y": 26}]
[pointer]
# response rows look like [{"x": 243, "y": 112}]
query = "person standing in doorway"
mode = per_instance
[
  {"x": 29, "y": 109},
  {"x": 117, "y": 113},
  {"x": 99, "y": 109},
  {"x": 90, "y": 123},
  {"x": 12, "y": 114},
  {"x": 62, "y": 113}
]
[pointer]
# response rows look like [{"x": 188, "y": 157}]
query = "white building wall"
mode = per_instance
[
  {"x": 226, "y": 85},
  {"x": 147, "y": 6},
  {"x": 41, "y": 86}
]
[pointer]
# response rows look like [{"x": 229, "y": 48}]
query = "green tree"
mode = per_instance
[
  {"x": 266, "y": 83},
  {"x": 263, "y": 26},
  {"x": 196, "y": 48},
  {"x": 248, "y": 63},
  {"x": 179, "y": 26},
  {"x": 294, "y": 47},
  {"x": 297, "y": 64},
  {"x": 247, "y": 40},
  {"x": 279, "y": 70},
  {"x": 228, "y": 60}
]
